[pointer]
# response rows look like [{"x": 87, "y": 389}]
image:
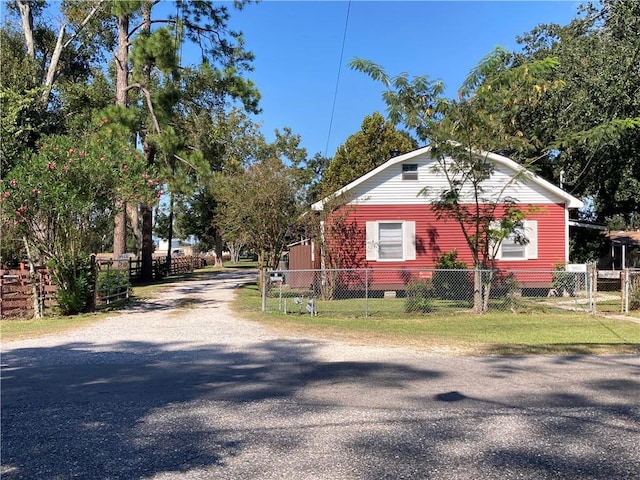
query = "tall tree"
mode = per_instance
[
  {"x": 590, "y": 125},
  {"x": 229, "y": 142},
  {"x": 124, "y": 12},
  {"x": 266, "y": 200},
  {"x": 163, "y": 91}
]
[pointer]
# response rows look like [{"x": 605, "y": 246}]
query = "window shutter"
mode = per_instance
[
  {"x": 531, "y": 232},
  {"x": 409, "y": 240},
  {"x": 372, "y": 240}
]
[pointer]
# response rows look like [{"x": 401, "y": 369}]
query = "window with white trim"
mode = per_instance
[
  {"x": 409, "y": 171},
  {"x": 391, "y": 240},
  {"x": 513, "y": 248}
]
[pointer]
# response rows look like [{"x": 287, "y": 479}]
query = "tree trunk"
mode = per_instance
[
  {"x": 120, "y": 230},
  {"x": 477, "y": 290},
  {"x": 170, "y": 235},
  {"x": 134, "y": 218},
  {"x": 53, "y": 65},
  {"x": 234, "y": 250},
  {"x": 150, "y": 156},
  {"x": 37, "y": 309},
  {"x": 218, "y": 249},
  {"x": 27, "y": 27},
  {"x": 122, "y": 82},
  {"x": 147, "y": 244}
]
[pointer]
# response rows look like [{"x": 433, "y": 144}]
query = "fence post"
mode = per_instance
[
  {"x": 366, "y": 292},
  {"x": 594, "y": 289},
  {"x": 42, "y": 292},
  {"x": 93, "y": 265},
  {"x": 265, "y": 274},
  {"x": 625, "y": 290}
]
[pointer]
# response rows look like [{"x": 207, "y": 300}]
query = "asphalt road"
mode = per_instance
[{"x": 162, "y": 392}]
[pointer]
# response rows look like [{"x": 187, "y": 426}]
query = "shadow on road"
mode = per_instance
[
  {"x": 138, "y": 410},
  {"x": 77, "y": 411}
]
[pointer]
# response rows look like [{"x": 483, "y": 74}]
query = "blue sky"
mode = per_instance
[{"x": 298, "y": 47}]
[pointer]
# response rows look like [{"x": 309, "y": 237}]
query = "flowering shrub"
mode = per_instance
[{"x": 57, "y": 197}]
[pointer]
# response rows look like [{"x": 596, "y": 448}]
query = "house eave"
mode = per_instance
[{"x": 569, "y": 200}]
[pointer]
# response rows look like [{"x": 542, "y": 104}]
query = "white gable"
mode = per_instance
[{"x": 385, "y": 185}]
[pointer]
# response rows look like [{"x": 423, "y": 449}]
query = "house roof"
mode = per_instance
[
  {"x": 630, "y": 238},
  {"x": 570, "y": 200}
]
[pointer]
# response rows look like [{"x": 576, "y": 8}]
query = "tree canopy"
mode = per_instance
[{"x": 590, "y": 124}]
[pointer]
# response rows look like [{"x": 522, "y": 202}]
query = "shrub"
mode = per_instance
[
  {"x": 563, "y": 280},
  {"x": 417, "y": 297},
  {"x": 451, "y": 280},
  {"x": 75, "y": 279},
  {"x": 112, "y": 282}
]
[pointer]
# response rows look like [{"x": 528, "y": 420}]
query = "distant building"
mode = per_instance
[
  {"x": 178, "y": 248},
  {"x": 625, "y": 249}
]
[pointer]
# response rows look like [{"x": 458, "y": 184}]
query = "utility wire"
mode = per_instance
[{"x": 335, "y": 93}]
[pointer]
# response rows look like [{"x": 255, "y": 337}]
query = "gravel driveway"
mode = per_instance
[{"x": 178, "y": 388}]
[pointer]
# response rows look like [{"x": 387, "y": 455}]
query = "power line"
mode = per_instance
[{"x": 335, "y": 93}]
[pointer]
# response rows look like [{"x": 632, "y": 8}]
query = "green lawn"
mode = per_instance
[
  {"x": 17, "y": 329},
  {"x": 454, "y": 327}
]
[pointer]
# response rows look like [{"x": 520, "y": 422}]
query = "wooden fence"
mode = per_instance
[
  {"x": 17, "y": 290},
  {"x": 179, "y": 265},
  {"x": 113, "y": 284}
]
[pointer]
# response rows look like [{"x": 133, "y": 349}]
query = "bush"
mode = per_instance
[
  {"x": 451, "y": 280},
  {"x": 563, "y": 280},
  {"x": 417, "y": 297},
  {"x": 112, "y": 282},
  {"x": 75, "y": 280}
]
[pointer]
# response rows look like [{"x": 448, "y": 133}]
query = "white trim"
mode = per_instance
[
  {"x": 569, "y": 200},
  {"x": 529, "y": 250},
  {"x": 372, "y": 241},
  {"x": 408, "y": 240},
  {"x": 587, "y": 225},
  {"x": 566, "y": 235}
]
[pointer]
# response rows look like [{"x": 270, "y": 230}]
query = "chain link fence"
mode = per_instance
[
  {"x": 630, "y": 290},
  {"x": 405, "y": 292}
]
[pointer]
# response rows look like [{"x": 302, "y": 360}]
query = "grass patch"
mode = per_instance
[
  {"x": 37, "y": 327},
  {"x": 242, "y": 264},
  {"x": 453, "y": 329}
]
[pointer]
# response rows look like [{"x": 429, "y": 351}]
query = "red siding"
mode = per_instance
[
  {"x": 302, "y": 260},
  {"x": 435, "y": 237}
]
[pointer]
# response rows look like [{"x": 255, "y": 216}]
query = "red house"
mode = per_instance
[{"x": 386, "y": 221}]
